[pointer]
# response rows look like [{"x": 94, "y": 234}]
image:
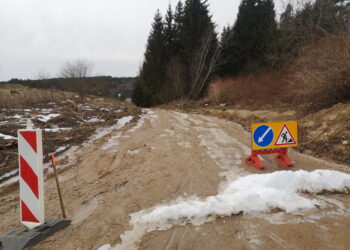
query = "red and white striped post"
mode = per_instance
[{"x": 31, "y": 179}]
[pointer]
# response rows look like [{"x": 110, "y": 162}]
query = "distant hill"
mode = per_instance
[{"x": 97, "y": 85}]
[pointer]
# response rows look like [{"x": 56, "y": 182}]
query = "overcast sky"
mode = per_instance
[{"x": 41, "y": 35}]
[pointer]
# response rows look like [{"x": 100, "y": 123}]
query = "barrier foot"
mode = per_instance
[
  {"x": 283, "y": 158},
  {"x": 254, "y": 161},
  {"x": 23, "y": 237}
]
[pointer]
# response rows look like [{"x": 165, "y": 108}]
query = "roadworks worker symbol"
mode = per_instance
[{"x": 285, "y": 137}]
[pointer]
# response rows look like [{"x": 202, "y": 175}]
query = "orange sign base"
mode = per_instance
[{"x": 282, "y": 157}]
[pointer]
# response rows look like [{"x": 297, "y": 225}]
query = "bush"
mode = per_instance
[
  {"x": 264, "y": 88},
  {"x": 322, "y": 74}
]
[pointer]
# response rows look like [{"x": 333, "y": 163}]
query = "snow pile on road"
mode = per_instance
[{"x": 258, "y": 193}]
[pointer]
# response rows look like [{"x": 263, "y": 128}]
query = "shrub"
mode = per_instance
[
  {"x": 264, "y": 88},
  {"x": 322, "y": 74}
]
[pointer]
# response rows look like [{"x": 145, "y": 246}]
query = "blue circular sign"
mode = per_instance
[{"x": 263, "y": 136}]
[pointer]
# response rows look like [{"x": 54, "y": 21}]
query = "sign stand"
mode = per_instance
[
  {"x": 23, "y": 237},
  {"x": 282, "y": 157},
  {"x": 36, "y": 228},
  {"x": 272, "y": 138}
]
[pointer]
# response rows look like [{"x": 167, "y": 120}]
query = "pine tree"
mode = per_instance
[
  {"x": 178, "y": 26},
  {"x": 180, "y": 56},
  {"x": 287, "y": 18},
  {"x": 197, "y": 44},
  {"x": 196, "y": 24},
  {"x": 140, "y": 95},
  {"x": 169, "y": 31},
  {"x": 152, "y": 74},
  {"x": 227, "y": 64},
  {"x": 252, "y": 36}
]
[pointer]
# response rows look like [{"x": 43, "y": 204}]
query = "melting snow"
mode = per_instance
[
  {"x": 46, "y": 118},
  {"x": 7, "y": 137},
  {"x": 122, "y": 121},
  {"x": 138, "y": 125},
  {"x": 15, "y": 117},
  {"x": 62, "y": 148},
  {"x": 104, "y": 131},
  {"x": 113, "y": 141},
  {"x": 104, "y": 247},
  {"x": 55, "y": 129},
  {"x": 95, "y": 119},
  {"x": 257, "y": 193},
  {"x": 12, "y": 172}
]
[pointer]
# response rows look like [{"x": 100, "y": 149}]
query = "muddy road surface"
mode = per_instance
[{"x": 159, "y": 183}]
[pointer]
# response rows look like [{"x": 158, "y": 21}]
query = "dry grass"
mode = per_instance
[
  {"x": 17, "y": 96},
  {"x": 321, "y": 75},
  {"x": 260, "y": 89}
]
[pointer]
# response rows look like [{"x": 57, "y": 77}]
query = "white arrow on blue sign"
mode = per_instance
[{"x": 263, "y": 136}]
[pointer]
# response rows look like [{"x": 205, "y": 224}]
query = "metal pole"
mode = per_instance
[{"x": 58, "y": 186}]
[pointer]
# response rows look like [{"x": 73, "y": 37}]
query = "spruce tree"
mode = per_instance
[
  {"x": 169, "y": 31},
  {"x": 227, "y": 62},
  {"x": 178, "y": 26},
  {"x": 197, "y": 43},
  {"x": 252, "y": 36},
  {"x": 152, "y": 74}
]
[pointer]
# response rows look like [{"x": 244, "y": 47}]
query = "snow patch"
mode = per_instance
[
  {"x": 54, "y": 130},
  {"x": 257, "y": 193},
  {"x": 122, "y": 121},
  {"x": 46, "y": 118},
  {"x": 225, "y": 150},
  {"x": 10, "y": 173},
  {"x": 105, "y": 247},
  {"x": 112, "y": 142},
  {"x": 15, "y": 117},
  {"x": 100, "y": 132},
  {"x": 7, "y": 137},
  {"x": 61, "y": 149},
  {"x": 95, "y": 119}
]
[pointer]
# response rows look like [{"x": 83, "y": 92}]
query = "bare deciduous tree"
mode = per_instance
[
  {"x": 205, "y": 67},
  {"x": 76, "y": 71},
  {"x": 42, "y": 75}
]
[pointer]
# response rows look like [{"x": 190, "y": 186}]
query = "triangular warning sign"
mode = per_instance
[{"x": 285, "y": 137}]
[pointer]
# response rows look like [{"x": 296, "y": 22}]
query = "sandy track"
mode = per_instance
[{"x": 165, "y": 156}]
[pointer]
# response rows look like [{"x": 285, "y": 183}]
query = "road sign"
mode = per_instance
[
  {"x": 285, "y": 137},
  {"x": 273, "y": 135},
  {"x": 31, "y": 180},
  {"x": 263, "y": 136}
]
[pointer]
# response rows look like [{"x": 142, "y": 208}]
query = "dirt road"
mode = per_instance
[{"x": 168, "y": 157}]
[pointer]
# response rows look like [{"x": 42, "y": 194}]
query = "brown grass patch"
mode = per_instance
[
  {"x": 252, "y": 90},
  {"x": 18, "y": 96}
]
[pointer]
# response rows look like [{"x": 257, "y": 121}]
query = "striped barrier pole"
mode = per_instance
[{"x": 31, "y": 180}]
